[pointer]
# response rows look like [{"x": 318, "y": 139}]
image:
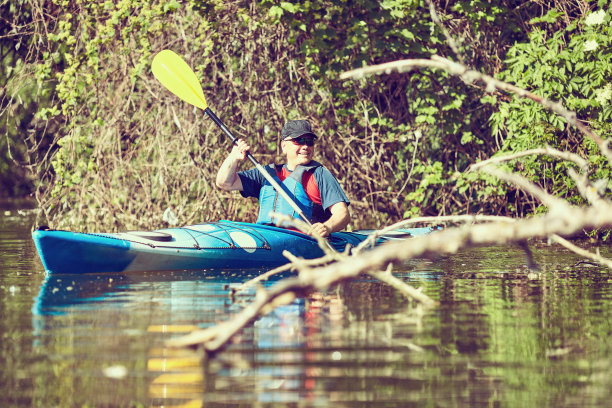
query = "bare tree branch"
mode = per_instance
[
  {"x": 588, "y": 190},
  {"x": 582, "y": 164},
  {"x": 408, "y": 290},
  {"x": 549, "y": 200},
  {"x": 582, "y": 252},
  {"x": 561, "y": 219},
  {"x": 284, "y": 268},
  {"x": 469, "y": 76},
  {"x": 374, "y": 235},
  {"x": 564, "y": 221},
  {"x": 449, "y": 39}
]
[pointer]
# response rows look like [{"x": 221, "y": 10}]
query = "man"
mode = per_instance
[{"x": 312, "y": 186}]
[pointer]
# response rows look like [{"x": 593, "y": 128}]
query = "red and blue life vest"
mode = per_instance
[{"x": 272, "y": 202}]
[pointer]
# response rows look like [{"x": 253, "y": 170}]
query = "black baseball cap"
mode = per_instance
[{"x": 296, "y": 128}]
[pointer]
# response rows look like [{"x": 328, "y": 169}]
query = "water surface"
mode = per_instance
[{"x": 502, "y": 336}]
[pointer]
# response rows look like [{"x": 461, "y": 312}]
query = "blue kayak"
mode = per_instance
[{"x": 210, "y": 245}]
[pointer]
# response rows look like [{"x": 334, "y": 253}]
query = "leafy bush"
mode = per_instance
[
  {"x": 572, "y": 66},
  {"x": 399, "y": 143}
]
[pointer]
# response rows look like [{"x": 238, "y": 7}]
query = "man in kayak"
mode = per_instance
[{"x": 311, "y": 185}]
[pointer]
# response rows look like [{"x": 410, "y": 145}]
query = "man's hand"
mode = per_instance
[
  {"x": 227, "y": 178},
  {"x": 320, "y": 229},
  {"x": 240, "y": 149},
  {"x": 339, "y": 219}
]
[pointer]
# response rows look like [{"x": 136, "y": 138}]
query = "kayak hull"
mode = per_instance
[{"x": 223, "y": 244}]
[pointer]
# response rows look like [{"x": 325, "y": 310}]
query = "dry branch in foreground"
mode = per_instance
[
  {"x": 566, "y": 221},
  {"x": 562, "y": 219},
  {"x": 471, "y": 76}
]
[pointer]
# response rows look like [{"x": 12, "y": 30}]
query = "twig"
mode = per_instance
[
  {"x": 547, "y": 150},
  {"x": 373, "y": 236},
  {"x": 587, "y": 190},
  {"x": 583, "y": 184},
  {"x": 408, "y": 290},
  {"x": 400, "y": 66},
  {"x": 470, "y": 76},
  {"x": 412, "y": 163},
  {"x": 449, "y": 39},
  {"x": 549, "y": 200},
  {"x": 582, "y": 252},
  {"x": 284, "y": 268}
]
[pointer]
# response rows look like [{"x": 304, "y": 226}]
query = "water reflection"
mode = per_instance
[
  {"x": 71, "y": 311},
  {"x": 501, "y": 337},
  {"x": 270, "y": 362},
  {"x": 59, "y": 293},
  {"x": 321, "y": 349}
]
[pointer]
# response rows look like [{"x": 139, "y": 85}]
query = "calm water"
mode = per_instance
[{"x": 500, "y": 338}]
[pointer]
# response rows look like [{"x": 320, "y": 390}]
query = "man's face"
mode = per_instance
[{"x": 298, "y": 151}]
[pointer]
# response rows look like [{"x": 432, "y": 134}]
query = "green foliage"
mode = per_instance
[
  {"x": 19, "y": 99},
  {"x": 572, "y": 66},
  {"x": 120, "y": 153},
  {"x": 446, "y": 114},
  {"x": 121, "y": 146},
  {"x": 13, "y": 179}
]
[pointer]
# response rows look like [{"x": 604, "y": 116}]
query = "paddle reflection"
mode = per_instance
[
  {"x": 74, "y": 314},
  {"x": 273, "y": 361},
  {"x": 295, "y": 354}
]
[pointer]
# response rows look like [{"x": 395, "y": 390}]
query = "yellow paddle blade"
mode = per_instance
[{"x": 174, "y": 73}]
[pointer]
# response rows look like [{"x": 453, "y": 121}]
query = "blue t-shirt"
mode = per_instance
[{"x": 329, "y": 188}]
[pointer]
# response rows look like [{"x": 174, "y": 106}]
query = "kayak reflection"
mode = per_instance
[
  {"x": 109, "y": 331},
  {"x": 267, "y": 361},
  {"x": 61, "y": 292}
]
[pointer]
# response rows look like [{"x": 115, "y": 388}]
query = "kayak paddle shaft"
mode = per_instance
[{"x": 259, "y": 167}]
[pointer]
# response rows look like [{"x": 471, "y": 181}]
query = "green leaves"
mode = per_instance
[
  {"x": 412, "y": 133},
  {"x": 574, "y": 67},
  {"x": 277, "y": 11},
  {"x": 552, "y": 16}
]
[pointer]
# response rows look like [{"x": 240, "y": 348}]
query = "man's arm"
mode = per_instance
[
  {"x": 340, "y": 218},
  {"x": 227, "y": 176}
]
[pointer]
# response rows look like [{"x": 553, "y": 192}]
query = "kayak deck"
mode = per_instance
[{"x": 223, "y": 244}]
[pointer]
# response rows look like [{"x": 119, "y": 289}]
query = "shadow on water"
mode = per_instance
[{"x": 502, "y": 336}]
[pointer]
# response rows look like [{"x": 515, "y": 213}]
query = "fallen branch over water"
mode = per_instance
[
  {"x": 448, "y": 241},
  {"x": 467, "y": 219},
  {"x": 562, "y": 219},
  {"x": 284, "y": 268},
  {"x": 582, "y": 252},
  {"x": 470, "y": 76}
]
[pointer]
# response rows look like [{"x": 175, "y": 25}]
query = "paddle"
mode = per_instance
[{"x": 174, "y": 73}]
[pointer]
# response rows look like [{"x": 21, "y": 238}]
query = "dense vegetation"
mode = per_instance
[{"x": 108, "y": 148}]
